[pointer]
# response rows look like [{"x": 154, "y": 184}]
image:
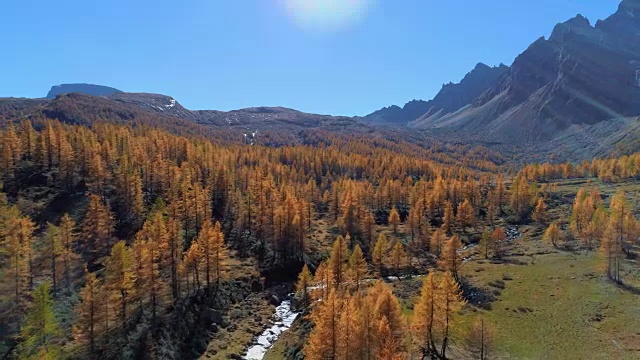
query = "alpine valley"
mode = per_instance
[{"x": 498, "y": 220}]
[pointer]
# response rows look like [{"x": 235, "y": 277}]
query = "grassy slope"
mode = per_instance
[
  {"x": 280, "y": 348},
  {"x": 557, "y": 305},
  {"x": 244, "y": 319}
]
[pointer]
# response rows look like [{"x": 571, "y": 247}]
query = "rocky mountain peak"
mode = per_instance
[
  {"x": 632, "y": 5},
  {"x": 578, "y": 20},
  {"x": 451, "y": 97},
  {"x": 628, "y": 13},
  {"x": 480, "y": 66},
  {"x": 578, "y": 24},
  {"x": 88, "y": 89},
  {"x": 583, "y": 75}
]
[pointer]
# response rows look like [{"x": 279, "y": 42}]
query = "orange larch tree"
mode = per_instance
[
  {"x": 89, "y": 312},
  {"x": 358, "y": 268},
  {"x": 394, "y": 220},
  {"x": 449, "y": 301},
  {"x": 339, "y": 260},
  {"x": 466, "y": 214},
  {"x": 450, "y": 258},
  {"x": 540, "y": 213},
  {"x": 97, "y": 228}
]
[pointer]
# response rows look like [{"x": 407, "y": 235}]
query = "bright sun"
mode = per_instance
[{"x": 326, "y": 15}]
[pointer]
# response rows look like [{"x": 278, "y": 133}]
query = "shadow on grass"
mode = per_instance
[
  {"x": 476, "y": 296},
  {"x": 627, "y": 287},
  {"x": 571, "y": 247},
  {"x": 508, "y": 260}
]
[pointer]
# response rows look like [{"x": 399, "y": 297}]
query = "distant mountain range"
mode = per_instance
[
  {"x": 575, "y": 95},
  {"x": 450, "y": 98},
  {"x": 581, "y": 76},
  {"x": 82, "y": 106}
]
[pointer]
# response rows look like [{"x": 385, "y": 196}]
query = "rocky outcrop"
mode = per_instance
[{"x": 88, "y": 89}]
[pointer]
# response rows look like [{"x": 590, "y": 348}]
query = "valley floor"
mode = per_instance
[
  {"x": 558, "y": 303},
  {"x": 558, "y": 306},
  {"x": 244, "y": 321},
  {"x": 543, "y": 302},
  {"x": 553, "y": 305}
]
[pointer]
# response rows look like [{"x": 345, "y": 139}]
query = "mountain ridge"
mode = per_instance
[
  {"x": 582, "y": 74},
  {"x": 451, "y": 97},
  {"x": 89, "y": 89},
  {"x": 579, "y": 85}
]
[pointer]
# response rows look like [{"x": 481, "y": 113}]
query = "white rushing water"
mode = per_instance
[{"x": 281, "y": 322}]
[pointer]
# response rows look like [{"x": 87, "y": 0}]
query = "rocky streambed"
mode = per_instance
[{"x": 281, "y": 321}]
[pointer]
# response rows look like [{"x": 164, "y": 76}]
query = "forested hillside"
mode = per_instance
[
  {"x": 229, "y": 198},
  {"x": 123, "y": 241}
]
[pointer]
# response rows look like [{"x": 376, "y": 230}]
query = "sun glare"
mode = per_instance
[{"x": 326, "y": 15}]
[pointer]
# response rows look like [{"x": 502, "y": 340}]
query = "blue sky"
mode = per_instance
[{"x": 229, "y": 54}]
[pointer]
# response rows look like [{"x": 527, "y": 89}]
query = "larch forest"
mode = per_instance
[
  {"x": 499, "y": 220},
  {"x": 118, "y": 239}
]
